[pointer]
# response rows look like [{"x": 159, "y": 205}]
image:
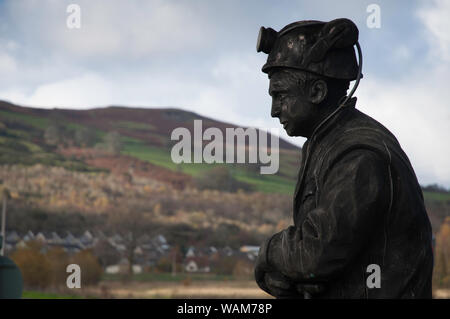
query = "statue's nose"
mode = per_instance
[{"x": 276, "y": 110}]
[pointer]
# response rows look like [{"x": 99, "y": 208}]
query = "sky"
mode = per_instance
[{"x": 200, "y": 56}]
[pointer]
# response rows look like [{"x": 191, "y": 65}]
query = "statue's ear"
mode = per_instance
[
  {"x": 318, "y": 91},
  {"x": 339, "y": 33}
]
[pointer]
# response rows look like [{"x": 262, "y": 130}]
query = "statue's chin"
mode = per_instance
[
  {"x": 288, "y": 133},
  {"x": 292, "y": 133}
]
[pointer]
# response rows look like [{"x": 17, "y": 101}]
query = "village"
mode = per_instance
[{"x": 147, "y": 254}]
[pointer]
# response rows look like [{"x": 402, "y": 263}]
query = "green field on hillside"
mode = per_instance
[
  {"x": 35, "y": 121},
  {"x": 21, "y": 142},
  {"x": 263, "y": 183},
  {"x": 17, "y": 145}
]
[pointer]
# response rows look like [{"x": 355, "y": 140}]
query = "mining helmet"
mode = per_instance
[{"x": 324, "y": 48}]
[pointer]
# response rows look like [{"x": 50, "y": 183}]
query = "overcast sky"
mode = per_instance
[{"x": 200, "y": 56}]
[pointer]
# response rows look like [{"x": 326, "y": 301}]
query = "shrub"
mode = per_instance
[
  {"x": 91, "y": 271},
  {"x": 34, "y": 265},
  {"x": 58, "y": 260}
]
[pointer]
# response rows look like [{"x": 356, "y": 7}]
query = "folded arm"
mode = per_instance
[{"x": 354, "y": 198}]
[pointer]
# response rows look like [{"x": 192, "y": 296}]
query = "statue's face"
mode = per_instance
[{"x": 291, "y": 105}]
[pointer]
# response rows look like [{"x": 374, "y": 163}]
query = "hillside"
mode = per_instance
[
  {"x": 145, "y": 145},
  {"x": 144, "y": 138},
  {"x": 62, "y": 174}
]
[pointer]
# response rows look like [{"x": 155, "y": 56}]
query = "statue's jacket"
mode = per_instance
[{"x": 357, "y": 203}]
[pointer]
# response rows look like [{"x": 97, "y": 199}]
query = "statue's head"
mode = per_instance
[{"x": 310, "y": 66}]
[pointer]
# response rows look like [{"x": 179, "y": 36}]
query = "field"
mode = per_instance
[
  {"x": 162, "y": 285},
  {"x": 195, "y": 289},
  {"x": 32, "y": 294},
  {"x": 181, "y": 285},
  {"x": 185, "y": 289}
]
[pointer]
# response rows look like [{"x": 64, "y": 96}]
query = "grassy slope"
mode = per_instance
[
  {"x": 264, "y": 183},
  {"x": 19, "y": 145}
]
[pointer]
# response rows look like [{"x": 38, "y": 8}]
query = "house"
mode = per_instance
[
  {"x": 98, "y": 235},
  {"x": 117, "y": 242},
  {"x": 161, "y": 239},
  {"x": 71, "y": 244},
  {"x": 160, "y": 243},
  {"x": 12, "y": 238},
  {"x": 28, "y": 236},
  {"x": 138, "y": 250},
  {"x": 251, "y": 251},
  {"x": 190, "y": 252},
  {"x": 117, "y": 238},
  {"x": 41, "y": 237},
  {"x": 21, "y": 244},
  {"x": 197, "y": 264},
  {"x": 112, "y": 269},
  {"x": 227, "y": 251},
  {"x": 54, "y": 239},
  {"x": 122, "y": 267},
  {"x": 87, "y": 239}
]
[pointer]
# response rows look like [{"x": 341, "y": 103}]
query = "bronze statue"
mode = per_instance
[{"x": 358, "y": 206}]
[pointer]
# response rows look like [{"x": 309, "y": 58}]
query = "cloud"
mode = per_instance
[
  {"x": 237, "y": 90},
  {"x": 134, "y": 28},
  {"x": 7, "y": 64},
  {"x": 73, "y": 92},
  {"x": 436, "y": 21},
  {"x": 415, "y": 108},
  {"x": 419, "y": 119}
]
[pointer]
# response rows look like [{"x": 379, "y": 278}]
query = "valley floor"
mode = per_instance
[{"x": 203, "y": 289}]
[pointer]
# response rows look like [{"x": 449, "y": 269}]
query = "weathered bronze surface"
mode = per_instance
[{"x": 357, "y": 201}]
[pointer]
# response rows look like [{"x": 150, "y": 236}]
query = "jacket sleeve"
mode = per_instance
[{"x": 354, "y": 198}]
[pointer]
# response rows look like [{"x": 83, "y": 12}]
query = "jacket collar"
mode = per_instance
[
  {"x": 332, "y": 121},
  {"x": 325, "y": 127}
]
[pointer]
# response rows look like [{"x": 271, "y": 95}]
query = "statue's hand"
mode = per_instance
[
  {"x": 280, "y": 286},
  {"x": 270, "y": 280},
  {"x": 261, "y": 268}
]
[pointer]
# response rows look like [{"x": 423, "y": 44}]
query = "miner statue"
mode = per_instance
[{"x": 360, "y": 228}]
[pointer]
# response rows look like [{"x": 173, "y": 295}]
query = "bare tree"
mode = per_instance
[
  {"x": 130, "y": 223},
  {"x": 53, "y": 135},
  {"x": 85, "y": 137},
  {"x": 113, "y": 142}
]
